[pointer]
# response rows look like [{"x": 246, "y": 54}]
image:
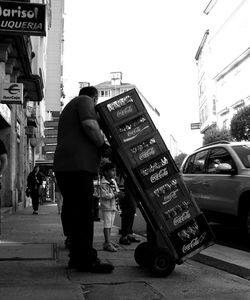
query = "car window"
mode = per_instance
[
  {"x": 243, "y": 152},
  {"x": 217, "y": 156},
  {"x": 196, "y": 163},
  {"x": 189, "y": 165}
]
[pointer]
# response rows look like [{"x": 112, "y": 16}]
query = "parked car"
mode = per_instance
[{"x": 218, "y": 177}]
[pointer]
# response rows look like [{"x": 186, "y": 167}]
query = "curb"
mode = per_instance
[{"x": 222, "y": 265}]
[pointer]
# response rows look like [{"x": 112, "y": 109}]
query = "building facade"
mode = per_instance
[
  {"x": 54, "y": 93},
  {"x": 223, "y": 61},
  {"x": 24, "y": 28}
]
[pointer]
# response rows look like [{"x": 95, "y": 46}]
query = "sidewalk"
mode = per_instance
[{"x": 33, "y": 266}]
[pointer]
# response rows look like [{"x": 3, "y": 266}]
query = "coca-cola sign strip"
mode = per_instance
[
  {"x": 193, "y": 235},
  {"x": 122, "y": 106},
  {"x": 167, "y": 193},
  {"x": 175, "y": 219},
  {"x": 145, "y": 148},
  {"x": 133, "y": 129},
  {"x": 156, "y": 170},
  {"x": 124, "y": 112}
]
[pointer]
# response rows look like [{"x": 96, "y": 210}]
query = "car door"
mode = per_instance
[
  {"x": 220, "y": 190},
  {"x": 193, "y": 175}
]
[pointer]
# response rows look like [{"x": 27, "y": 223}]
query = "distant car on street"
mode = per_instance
[{"x": 218, "y": 177}]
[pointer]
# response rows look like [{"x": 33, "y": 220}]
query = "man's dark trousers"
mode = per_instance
[
  {"x": 128, "y": 208},
  {"x": 77, "y": 215}
]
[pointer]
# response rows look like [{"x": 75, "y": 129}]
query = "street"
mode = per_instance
[{"x": 33, "y": 260}]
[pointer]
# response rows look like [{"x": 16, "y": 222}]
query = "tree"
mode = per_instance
[
  {"x": 179, "y": 159},
  {"x": 240, "y": 125},
  {"x": 215, "y": 134}
]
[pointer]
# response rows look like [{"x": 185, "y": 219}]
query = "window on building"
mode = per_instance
[
  {"x": 104, "y": 93},
  {"x": 225, "y": 124},
  {"x": 107, "y": 93},
  {"x": 204, "y": 114}
]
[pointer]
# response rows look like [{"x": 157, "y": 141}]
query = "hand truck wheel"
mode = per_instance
[
  {"x": 141, "y": 254},
  {"x": 161, "y": 263}
]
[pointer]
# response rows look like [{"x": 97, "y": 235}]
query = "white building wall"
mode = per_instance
[
  {"x": 54, "y": 57},
  {"x": 224, "y": 64}
]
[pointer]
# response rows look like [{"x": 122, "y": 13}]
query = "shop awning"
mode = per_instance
[{"x": 33, "y": 87}]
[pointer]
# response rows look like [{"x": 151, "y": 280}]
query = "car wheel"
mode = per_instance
[
  {"x": 245, "y": 221},
  {"x": 162, "y": 263},
  {"x": 248, "y": 222}
]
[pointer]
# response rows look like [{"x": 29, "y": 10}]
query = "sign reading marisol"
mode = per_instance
[{"x": 22, "y": 18}]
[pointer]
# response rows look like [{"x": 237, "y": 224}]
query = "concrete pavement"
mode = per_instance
[{"x": 33, "y": 266}]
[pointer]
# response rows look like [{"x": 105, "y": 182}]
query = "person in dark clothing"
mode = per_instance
[
  {"x": 80, "y": 145},
  {"x": 3, "y": 160},
  {"x": 34, "y": 182},
  {"x": 128, "y": 209}
]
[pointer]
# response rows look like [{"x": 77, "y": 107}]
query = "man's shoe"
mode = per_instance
[
  {"x": 99, "y": 267},
  {"x": 133, "y": 239},
  {"x": 35, "y": 212},
  {"x": 96, "y": 267},
  {"x": 124, "y": 241}
]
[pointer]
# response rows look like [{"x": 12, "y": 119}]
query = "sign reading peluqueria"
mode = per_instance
[{"x": 22, "y": 18}]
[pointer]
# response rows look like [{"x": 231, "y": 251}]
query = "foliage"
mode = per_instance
[
  {"x": 240, "y": 125},
  {"x": 179, "y": 159},
  {"x": 215, "y": 134}
]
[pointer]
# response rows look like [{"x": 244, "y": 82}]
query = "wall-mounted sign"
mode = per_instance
[
  {"x": 11, "y": 93},
  {"x": 195, "y": 126},
  {"x": 22, "y": 18}
]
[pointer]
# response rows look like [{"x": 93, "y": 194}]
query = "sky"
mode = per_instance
[{"x": 152, "y": 42}]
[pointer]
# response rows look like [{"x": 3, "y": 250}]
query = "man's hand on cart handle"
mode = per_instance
[{"x": 105, "y": 150}]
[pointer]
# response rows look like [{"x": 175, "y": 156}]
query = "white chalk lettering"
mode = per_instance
[{"x": 19, "y": 12}]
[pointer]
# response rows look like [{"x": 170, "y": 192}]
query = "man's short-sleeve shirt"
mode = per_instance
[{"x": 75, "y": 151}]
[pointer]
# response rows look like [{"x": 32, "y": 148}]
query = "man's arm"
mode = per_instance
[{"x": 93, "y": 131}]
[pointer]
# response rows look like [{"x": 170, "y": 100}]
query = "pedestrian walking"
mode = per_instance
[
  {"x": 3, "y": 160},
  {"x": 34, "y": 181},
  {"x": 80, "y": 145}
]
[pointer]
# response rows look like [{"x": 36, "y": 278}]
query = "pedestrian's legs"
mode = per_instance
[
  {"x": 108, "y": 220},
  {"x": 35, "y": 200},
  {"x": 128, "y": 207}
]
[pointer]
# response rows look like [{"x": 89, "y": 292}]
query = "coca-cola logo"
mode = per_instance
[
  {"x": 180, "y": 219},
  {"x": 132, "y": 134},
  {"x": 159, "y": 175},
  {"x": 123, "y": 112},
  {"x": 170, "y": 197},
  {"x": 145, "y": 154},
  {"x": 166, "y": 187},
  {"x": 195, "y": 242}
]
